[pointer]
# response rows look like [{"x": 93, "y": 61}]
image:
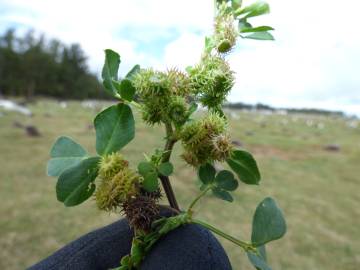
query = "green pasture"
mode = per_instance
[{"x": 318, "y": 190}]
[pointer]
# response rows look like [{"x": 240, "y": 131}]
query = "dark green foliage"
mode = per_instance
[
  {"x": 76, "y": 184},
  {"x": 206, "y": 173},
  {"x": 166, "y": 168},
  {"x": 268, "y": 223},
  {"x": 226, "y": 180},
  {"x": 33, "y": 66},
  {"x": 244, "y": 165},
  {"x": 258, "y": 260},
  {"x": 115, "y": 127},
  {"x": 64, "y": 154},
  {"x": 220, "y": 183},
  {"x": 110, "y": 71}
]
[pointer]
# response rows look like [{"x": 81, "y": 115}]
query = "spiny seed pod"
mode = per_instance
[
  {"x": 190, "y": 158},
  {"x": 141, "y": 211},
  {"x": 212, "y": 80},
  {"x": 204, "y": 140},
  {"x": 177, "y": 110},
  {"x": 222, "y": 147},
  {"x": 213, "y": 124},
  {"x": 152, "y": 113},
  {"x": 112, "y": 192},
  {"x": 151, "y": 84},
  {"x": 111, "y": 164},
  {"x": 180, "y": 83}
]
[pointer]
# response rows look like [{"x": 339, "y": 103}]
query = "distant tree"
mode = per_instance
[{"x": 31, "y": 65}]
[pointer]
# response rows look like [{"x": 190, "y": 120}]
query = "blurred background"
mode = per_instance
[{"x": 295, "y": 106}]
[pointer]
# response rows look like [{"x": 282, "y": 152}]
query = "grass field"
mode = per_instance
[{"x": 318, "y": 190}]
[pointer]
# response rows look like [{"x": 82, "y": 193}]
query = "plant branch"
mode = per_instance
[
  {"x": 198, "y": 198},
  {"x": 170, "y": 142},
  {"x": 244, "y": 245}
]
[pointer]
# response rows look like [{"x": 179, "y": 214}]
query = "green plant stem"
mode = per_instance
[
  {"x": 165, "y": 181},
  {"x": 244, "y": 245},
  {"x": 135, "y": 104},
  {"x": 198, "y": 198}
]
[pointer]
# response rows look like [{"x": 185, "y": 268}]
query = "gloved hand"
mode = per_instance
[{"x": 189, "y": 247}]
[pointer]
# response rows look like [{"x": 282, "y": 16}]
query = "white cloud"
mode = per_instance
[
  {"x": 184, "y": 51},
  {"x": 314, "y": 61}
]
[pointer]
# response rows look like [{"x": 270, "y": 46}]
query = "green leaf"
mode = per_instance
[
  {"x": 256, "y": 9},
  {"x": 207, "y": 173},
  {"x": 226, "y": 180},
  {"x": 151, "y": 182},
  {"x": 260, "y": 36},
  {"x": 132, "y": 72},
  {"x": 222, "y": 194},
  {"x": 244, "y": 165},
  {"x": 258, "y": 260},
  {"x": 110, "y": 70},
  {"x": 243, "y": 24},
  {"x": 64, "y": 154},
  {"x": 257, "y": 29},
  {"x": 75, "y": 185},
  {"x": 268, "y": 223},
  {"x": 145, "y": 167},
  {"x": 115, "y": 128},
  {"x": 166, "y": 168},
  {"x": 126, "y": 89}
]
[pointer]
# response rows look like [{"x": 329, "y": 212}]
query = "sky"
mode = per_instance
[{"x": 313, "y": 63}]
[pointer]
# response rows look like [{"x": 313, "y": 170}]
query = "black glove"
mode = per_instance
[{"x": 188, "y": 247}]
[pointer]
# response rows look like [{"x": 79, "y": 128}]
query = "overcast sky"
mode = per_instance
[{"x": 314, "y": 62}]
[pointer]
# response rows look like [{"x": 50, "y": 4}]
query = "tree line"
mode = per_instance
[
  {"x": 32, "y": 65},
  {"x": 264, "y": 107}
]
